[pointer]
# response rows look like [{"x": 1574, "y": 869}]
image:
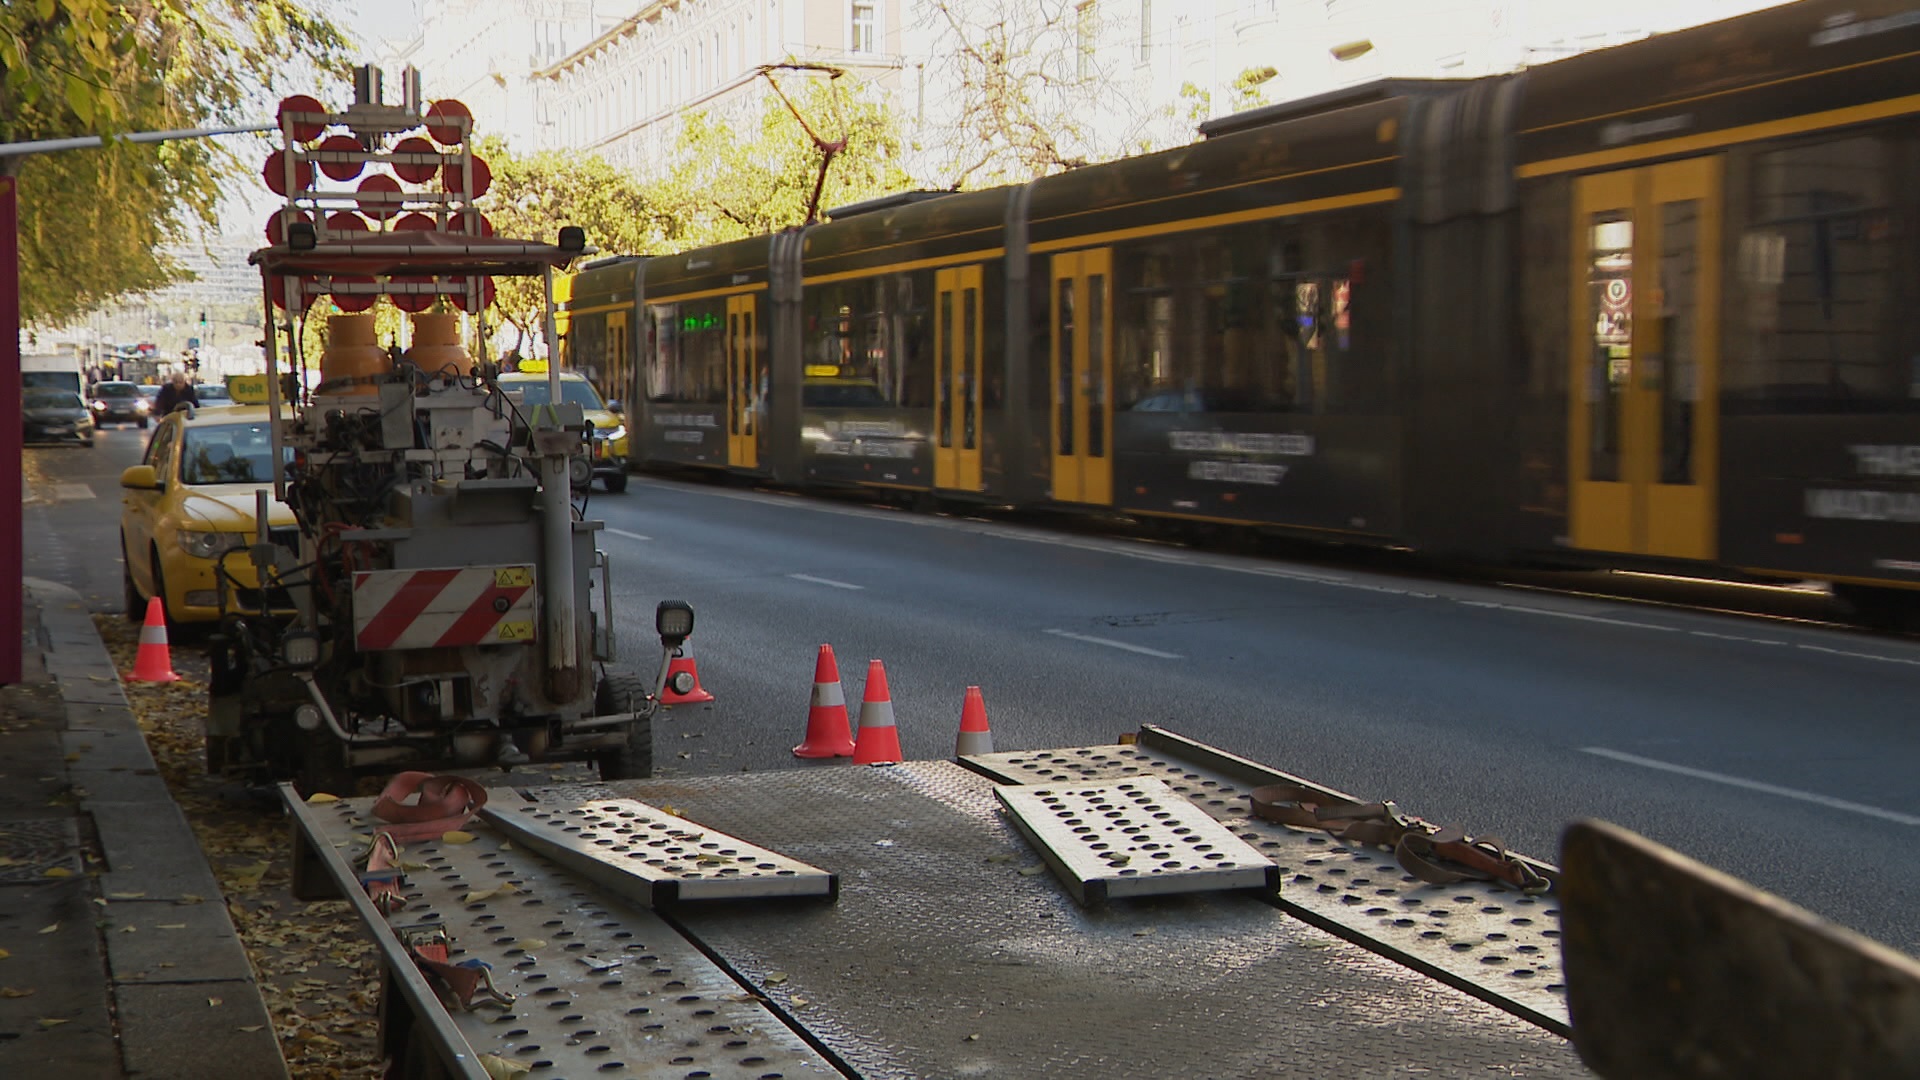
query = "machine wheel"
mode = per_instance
[
  {"x": 624, "y": 691},
  {"x": 616, "y": 482}
]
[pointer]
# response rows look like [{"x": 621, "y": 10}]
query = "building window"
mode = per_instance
[
  {"x": 863, "y": 26},
  {"x": 1084, "y": 33}
]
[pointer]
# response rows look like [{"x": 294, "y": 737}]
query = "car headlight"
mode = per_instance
[
  {"x": 618, "y": 431},
  {"x": 142, "y": 405},
  {"x": 206, "y": 545},
  {"x": 100, "y": 406}
]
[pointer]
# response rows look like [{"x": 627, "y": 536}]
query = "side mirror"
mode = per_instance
[
  {"x": 617, "y": 409},
  {"x": 142, "y": 478}
]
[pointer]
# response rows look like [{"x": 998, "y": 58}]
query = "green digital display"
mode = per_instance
[{"x": 707, "y": 321}]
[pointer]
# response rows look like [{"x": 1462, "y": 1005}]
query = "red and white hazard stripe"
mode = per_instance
[{"x": 424, "y": 609}]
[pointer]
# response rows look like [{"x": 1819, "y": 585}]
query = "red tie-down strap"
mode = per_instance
[
  {"x": 470, "y": 980},
  {"x": 384, "y": 879},
  {"x": 421, "y": 806},
  {"x": 1425, "y": 850}
]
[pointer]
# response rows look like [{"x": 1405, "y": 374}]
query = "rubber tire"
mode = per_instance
[
  {"x": 616, "y": 483},
  {"x": 160, "y": 590},
  {"x": 623, "y": 691},
  {"x": 136, "y": 604},
  {"x": 143, "y": 422}
]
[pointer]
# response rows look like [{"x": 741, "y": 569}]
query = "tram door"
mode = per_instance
[
  {"x": 1645, "y": 360},
  {"x": 743, "y": 384},
  {"x": 956, "y": 400},
  {"x": 1082, "y": 422},
  {"x": 616, "y": 378}
]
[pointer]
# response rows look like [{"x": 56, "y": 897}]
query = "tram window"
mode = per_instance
[
  {"x": 877, "y": 334},
  {"x": 1825, "y": 286},
  {"x": 1143, "y": 324}
]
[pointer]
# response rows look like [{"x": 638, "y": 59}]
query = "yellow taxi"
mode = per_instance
[
  {"x": 188, "y": 508},
  {"x": 608, "y": 458}
]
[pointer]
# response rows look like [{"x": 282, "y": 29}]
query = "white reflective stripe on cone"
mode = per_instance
[
  {"x": 153, "y": 635},
  {"x": 876, "y": 714},
  {"x": 828, "y": 694}
]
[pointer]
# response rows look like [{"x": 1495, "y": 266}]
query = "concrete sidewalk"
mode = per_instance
[{"x": 120, "y": 960}]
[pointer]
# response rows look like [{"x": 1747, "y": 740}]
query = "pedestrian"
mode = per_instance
[{"x": 177, "y": 390}]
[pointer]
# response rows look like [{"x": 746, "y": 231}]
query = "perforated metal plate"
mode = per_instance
[
  {"x": 1132, "y": 838},
  {"x": 650, "y": 856},
  {"x": 602, "y": 988},
  {"x": 1491, "y": 942},
  {"x": 953, "y": 953}
]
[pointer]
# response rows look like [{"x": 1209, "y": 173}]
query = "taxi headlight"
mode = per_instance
[
  {"x": 206, "y": 545},
  {"x": 143, "y": 405},
  {"x": 617, "y": 431},
  {"x": 99, "y": 405}
]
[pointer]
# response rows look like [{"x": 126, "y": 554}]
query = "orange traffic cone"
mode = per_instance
[
  {"x": 879, "y": 742},
  {"x": 828, "y": 733},
  {"x": 154, "y": 661},
  {"x": 975, "y": 736},
  {"x": 687, "y": 691}
]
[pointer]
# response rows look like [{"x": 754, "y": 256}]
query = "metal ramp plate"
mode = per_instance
[
  {"x": 650, "y": 856},
  {"x": 953, "y": 953},
  {"x": 1132, "y": 838},
  {"x": 603, "y": 989},
  {"x": 1491, "y": 942}
]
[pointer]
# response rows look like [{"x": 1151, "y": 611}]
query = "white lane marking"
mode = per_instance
[
  {"x": 628, "y": 535},
  {"x": 1859, "y": 655},
  {"x": 1332, "y": 579},
  {"x": 825, "y": 581},
  {"x": 1754, "y": 785},
  {"x": 72, "y": 491},
  {"x": 1112, "y": 644}
]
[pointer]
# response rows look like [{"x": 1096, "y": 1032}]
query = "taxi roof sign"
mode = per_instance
[{"x": 247, "y": 389}]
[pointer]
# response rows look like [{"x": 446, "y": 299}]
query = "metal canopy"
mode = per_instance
[{"x": 417, "y": 253}]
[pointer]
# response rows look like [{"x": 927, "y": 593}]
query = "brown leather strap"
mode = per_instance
[
  {"x": 419, "y": 805},
  {"x": 1426, "y": 851}
]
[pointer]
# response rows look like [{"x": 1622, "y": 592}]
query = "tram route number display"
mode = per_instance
[{"x": 1247, "y": 444}]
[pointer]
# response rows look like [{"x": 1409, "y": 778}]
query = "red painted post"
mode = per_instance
[{"x": 12, "y": 589}]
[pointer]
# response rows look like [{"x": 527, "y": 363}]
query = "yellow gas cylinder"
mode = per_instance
[
  {"x": 353, "y": 358},
  {"x": 436, "y": 344}
]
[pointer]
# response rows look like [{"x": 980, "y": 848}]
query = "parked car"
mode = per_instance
[
  {"x": 120, "y": 403},
  {"x": 212, "y": 394},
  {"x": 187, "y": 514},
  {"x": 609, "y": 455},
  {"x": 55, "y": 416}
]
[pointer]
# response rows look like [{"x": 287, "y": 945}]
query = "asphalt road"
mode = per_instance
[{"x": 1779, "y": 751}]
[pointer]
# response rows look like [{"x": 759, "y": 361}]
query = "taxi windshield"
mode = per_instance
[
  {"x": 228, "y": 454},
  {"x": 572, "y": 391}
]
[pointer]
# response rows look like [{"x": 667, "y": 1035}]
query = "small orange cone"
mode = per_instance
[
  {"x": 672, "y": 694},
  {"x": 975, "y": 736},
  {"x": 828, "y": 732},
  {"x": 879, "y": 742},
  {"x": 154, "y": 661}
]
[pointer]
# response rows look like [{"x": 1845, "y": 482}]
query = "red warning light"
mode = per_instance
[
  {"x": 453, "y": 178},
  {"x": 377, "y": 185},
  {"x": 412, "y": 173},
  {"x": 342, "y": 170},
  {"x": 301, "y": 130},
  {"x": 448, "y": 133},
  {"x": 275, "y": 173}
]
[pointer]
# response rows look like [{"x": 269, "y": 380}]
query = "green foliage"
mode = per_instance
[
  {"x": 738, "y": 177},
  {"x": 534, "y": 195},
  {"x": 93, "y": 221}
]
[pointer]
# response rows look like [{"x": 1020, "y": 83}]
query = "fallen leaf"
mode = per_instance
[
  {"x": 50, "y": 1022},
  {"x": 189, "y": 898},
  {"x": 321, "y": 798},
  {"x": 775, "y": 978},
  {"x": 248, "y": 877},
  {"x": 58, "y": 871},
  {"x": 10, "y": 992},
  {"x": 1000, "y": 858},
  {"x": 500, "y": 1068},
  {"x": 975, "y": 1037},
  {"x": 801, "y": 1003},
  {"x": 128, "y": 929},
  {"x": 73, "y": 757},
  {"x": 213, "y": 1002},
  {"x": 126, "y": 895},
  {"x": 458, "y": 837},
  {"x": 506, "y": 846},
  {"x": 50, "y": 929},
  {"x": 478, "y": 895},
  {"x": 8, "y": 860},
  {"x": 171, "y": 926},
  {"x": 250, "y": 1028},
  {"x": 1145, "y": 931},
  {"x": 1032, "y": 871},
  {"x": 532, "y": 943},
  {"x": 4, "y": 954}
]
